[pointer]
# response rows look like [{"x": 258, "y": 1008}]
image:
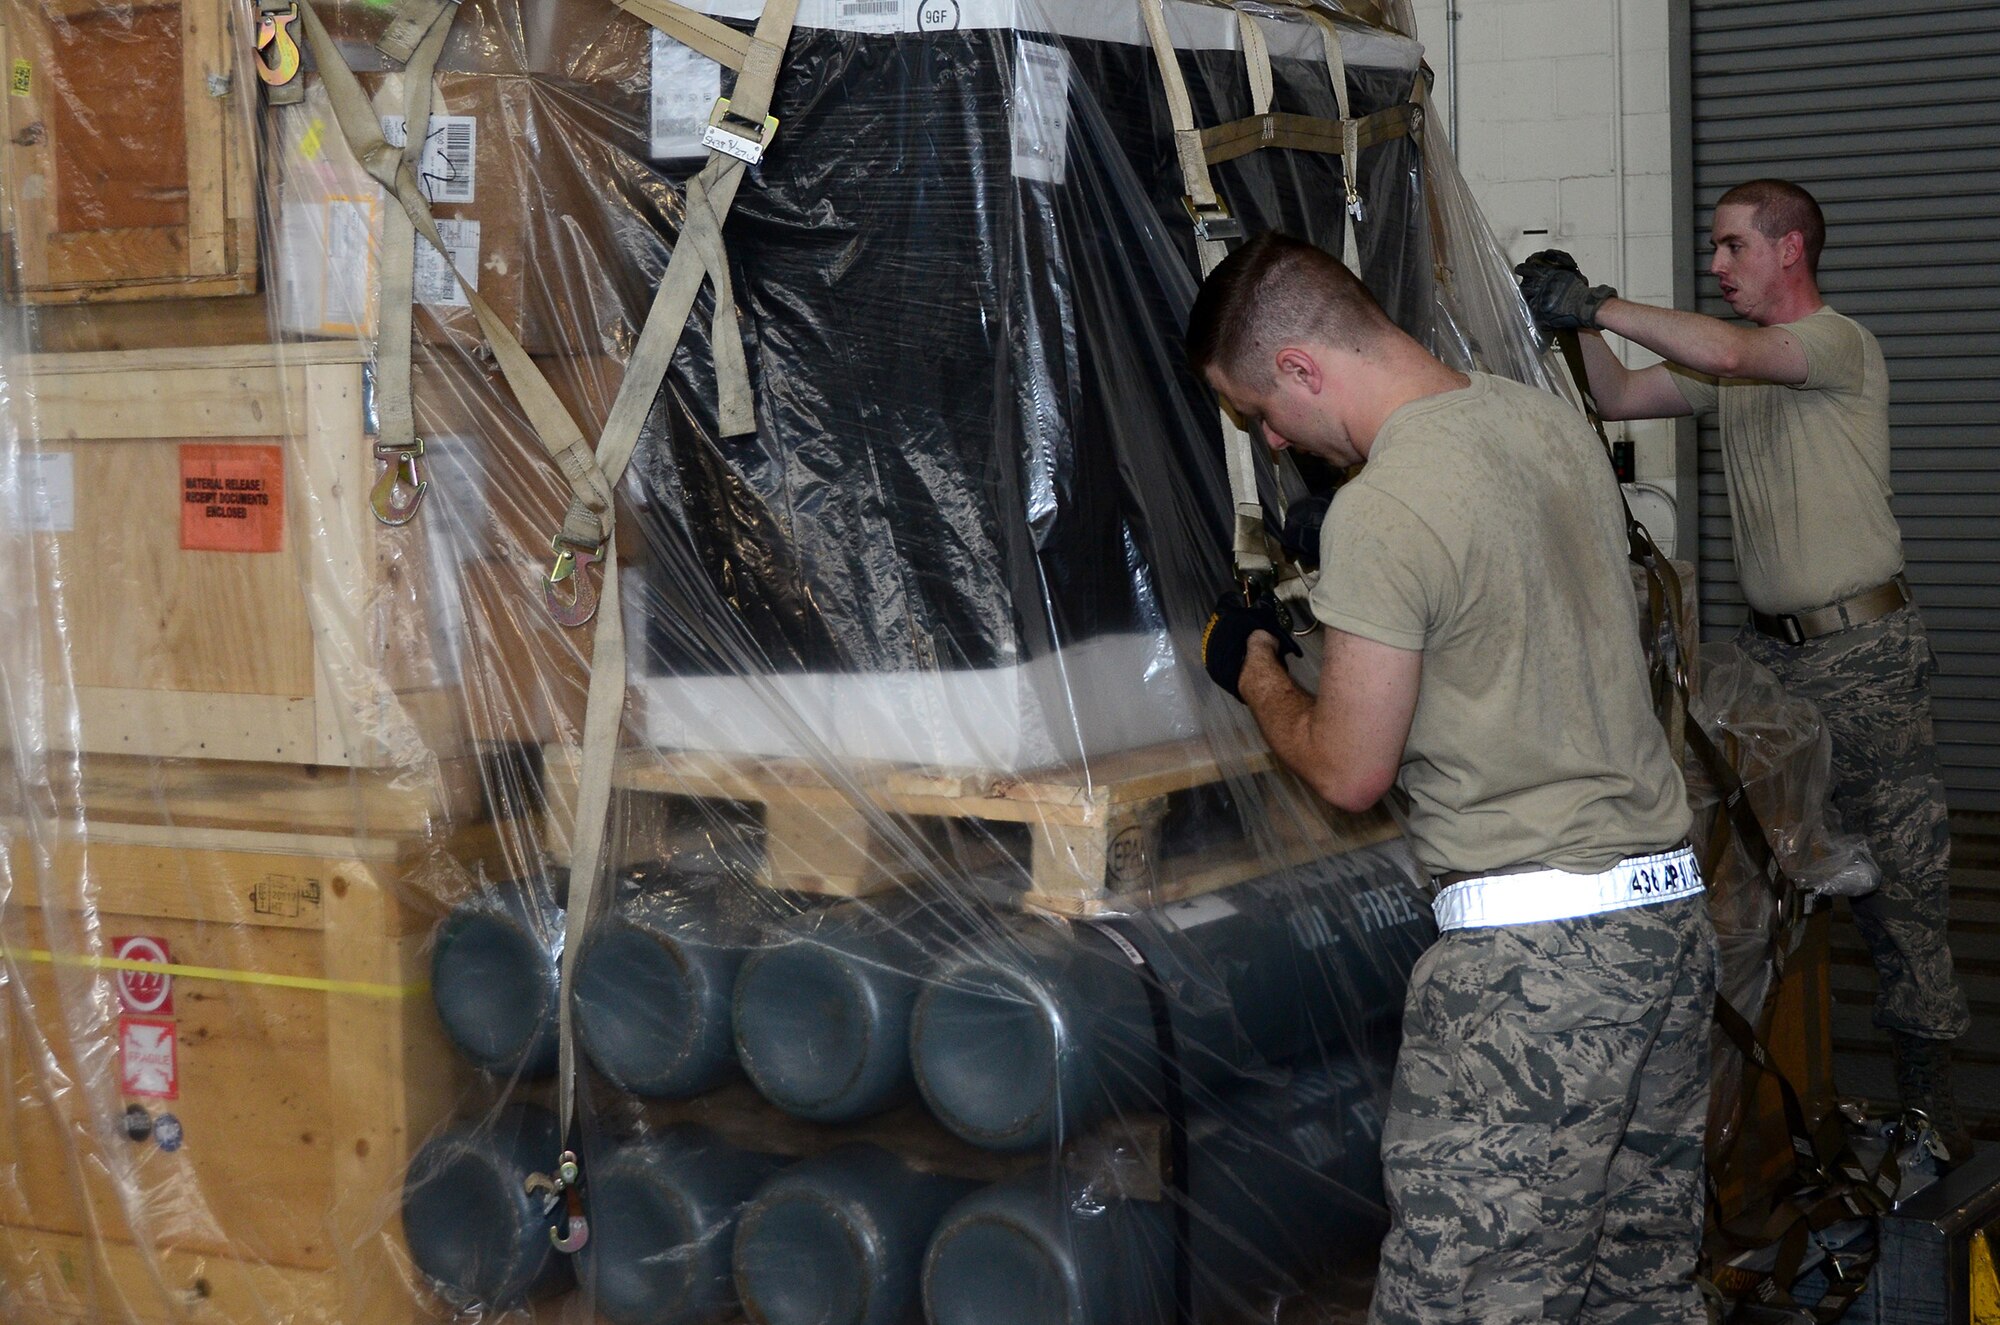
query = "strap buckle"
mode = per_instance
[
  {"x": 1213, "y": 221},
  {"x": 281, "y": 64},
  {"x": 568, "y": 591},
  {"x": 401, "y": 487},
  {"x": 733, "y": 135}
]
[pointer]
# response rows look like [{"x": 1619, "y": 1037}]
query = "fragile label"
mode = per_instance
[
  {"x": 50, "y": 477},
  {"x": 149, "y": 1057},
  {"x": 685, "y": 86},
  {"x": 446, "y": 170},
  {"x": 144, "y": 991},
  {"x": 232, "y": 498},
  {"x": 22, "y": 80},
  {"x": 1041, "y": 112},
  {"x": 435, "y": 283}
]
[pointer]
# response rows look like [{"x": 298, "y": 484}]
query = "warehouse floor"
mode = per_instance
[{"x": 1861, "y": 1053}]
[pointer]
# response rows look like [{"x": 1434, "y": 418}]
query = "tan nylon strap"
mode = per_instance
[
  {"x": 1257, "y": 63},
  {"x": 1303, "y": 133},
  {"x": 1350, "y": 136},
  {"x": 709, "y": 197},
  {"x": 718, "y": 41},
  {"x": 412, "y": 21},
  {"x": 390, "y": 167},
  {"x": 1249, "y": 542},
  {"x": 395, "y": 412}
]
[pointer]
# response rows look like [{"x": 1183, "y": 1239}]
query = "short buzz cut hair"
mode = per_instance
[
  {"x": 1778, "y": 207},
  {"x": 1272, "y": 292}
]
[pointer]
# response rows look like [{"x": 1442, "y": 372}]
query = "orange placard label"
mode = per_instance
[{"x": 232, "y": 498}]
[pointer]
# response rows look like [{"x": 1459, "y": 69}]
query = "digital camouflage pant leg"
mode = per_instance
[
  {"x": 1871, "y": 685},
  {"x": 1543, "y": 1149}
]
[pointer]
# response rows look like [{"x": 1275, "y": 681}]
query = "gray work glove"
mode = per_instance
[{"x": 1558, "y": 296}]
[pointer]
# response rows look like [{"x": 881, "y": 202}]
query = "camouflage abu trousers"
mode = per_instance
[
  {"x": 1543, "y": 1149},
  {"x": 1871, "y": 685}
]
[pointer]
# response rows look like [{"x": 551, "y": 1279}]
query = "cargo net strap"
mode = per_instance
[{"x": 395, "y": 169}]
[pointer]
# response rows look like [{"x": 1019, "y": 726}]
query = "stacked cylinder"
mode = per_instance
[{"x": 1266, "y": 1012}]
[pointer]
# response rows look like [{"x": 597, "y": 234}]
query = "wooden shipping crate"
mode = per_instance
[
  {"x": 130, "y": 168},
  {"x": 210, "y": 568},
  {"x": 252, "y": 1117}
]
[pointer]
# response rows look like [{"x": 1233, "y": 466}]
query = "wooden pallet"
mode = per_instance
[
  {"x": 1089, "y": 838},
  {"x": 307, "y": 1064}
]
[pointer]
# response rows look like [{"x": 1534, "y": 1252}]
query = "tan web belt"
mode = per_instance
[{"x": 1868, "y": 605}]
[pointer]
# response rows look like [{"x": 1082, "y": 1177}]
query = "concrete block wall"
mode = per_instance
[{"x": 1565, "y": 138}]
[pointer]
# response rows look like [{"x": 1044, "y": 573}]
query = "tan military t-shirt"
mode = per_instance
[
  {"x": 1486, "y": 532},
  {"x": 1808, "y": 470}
]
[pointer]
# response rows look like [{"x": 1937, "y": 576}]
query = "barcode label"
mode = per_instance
[
  {"x": 449, "y": 165},
  {"x": 870, "y": 15},
  {"x": 435, "y": 285},
  {"x": 1041, "y": 112},
  {"x": 685, "y": 86}
]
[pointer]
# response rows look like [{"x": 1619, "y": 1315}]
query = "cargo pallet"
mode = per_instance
[{"x": 1087, "y": 838}]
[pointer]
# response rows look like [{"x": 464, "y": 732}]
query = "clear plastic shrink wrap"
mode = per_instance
[{"x": 957, "y": 952}]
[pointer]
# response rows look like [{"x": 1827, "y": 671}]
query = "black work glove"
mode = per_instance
[
  {"x": 1558, "y": 296},
  {"x": 1305, "y": 519},
  {"x": 1225, "y": 641}
]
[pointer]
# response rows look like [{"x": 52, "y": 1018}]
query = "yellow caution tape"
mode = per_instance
[
  {"x": 314, "y": 984},
  {"x": 1985, "y": 1282}
]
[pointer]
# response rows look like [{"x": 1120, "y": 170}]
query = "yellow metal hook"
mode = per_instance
[{"x": 280, "y": 65}]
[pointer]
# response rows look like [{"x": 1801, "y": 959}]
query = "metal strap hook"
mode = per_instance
[
  {"x": 401, "y": 487},
  {"x": 569, "y": 592},
  {"x": 277, "y": 52},
  {"x": 570, "y": 1236}
]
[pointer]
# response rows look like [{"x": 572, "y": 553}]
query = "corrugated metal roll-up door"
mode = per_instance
[{"x": 1890, "y": 113}]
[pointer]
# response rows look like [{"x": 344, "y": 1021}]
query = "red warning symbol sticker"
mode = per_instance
[{"x": 144, "y": 991}]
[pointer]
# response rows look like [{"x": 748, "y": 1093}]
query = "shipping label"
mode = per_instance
[
  {"x": 435, "y": 284},
  {"x": 1041, "y": 112},
  {"x": 232, "y": 498},
  {"x": 50, "y": 477},
  {"x": 868, "y": 15},
  {"x": 447, "y": 171},
  {"x": 686, "y": 84}
]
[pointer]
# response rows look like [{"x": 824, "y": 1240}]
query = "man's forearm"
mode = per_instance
[
  {"x": 1692, "y": 340},
  {"x": 1282, "y": 709}
]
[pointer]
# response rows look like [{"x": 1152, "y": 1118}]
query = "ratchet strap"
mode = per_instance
[{"x": 736, "y": 140}]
